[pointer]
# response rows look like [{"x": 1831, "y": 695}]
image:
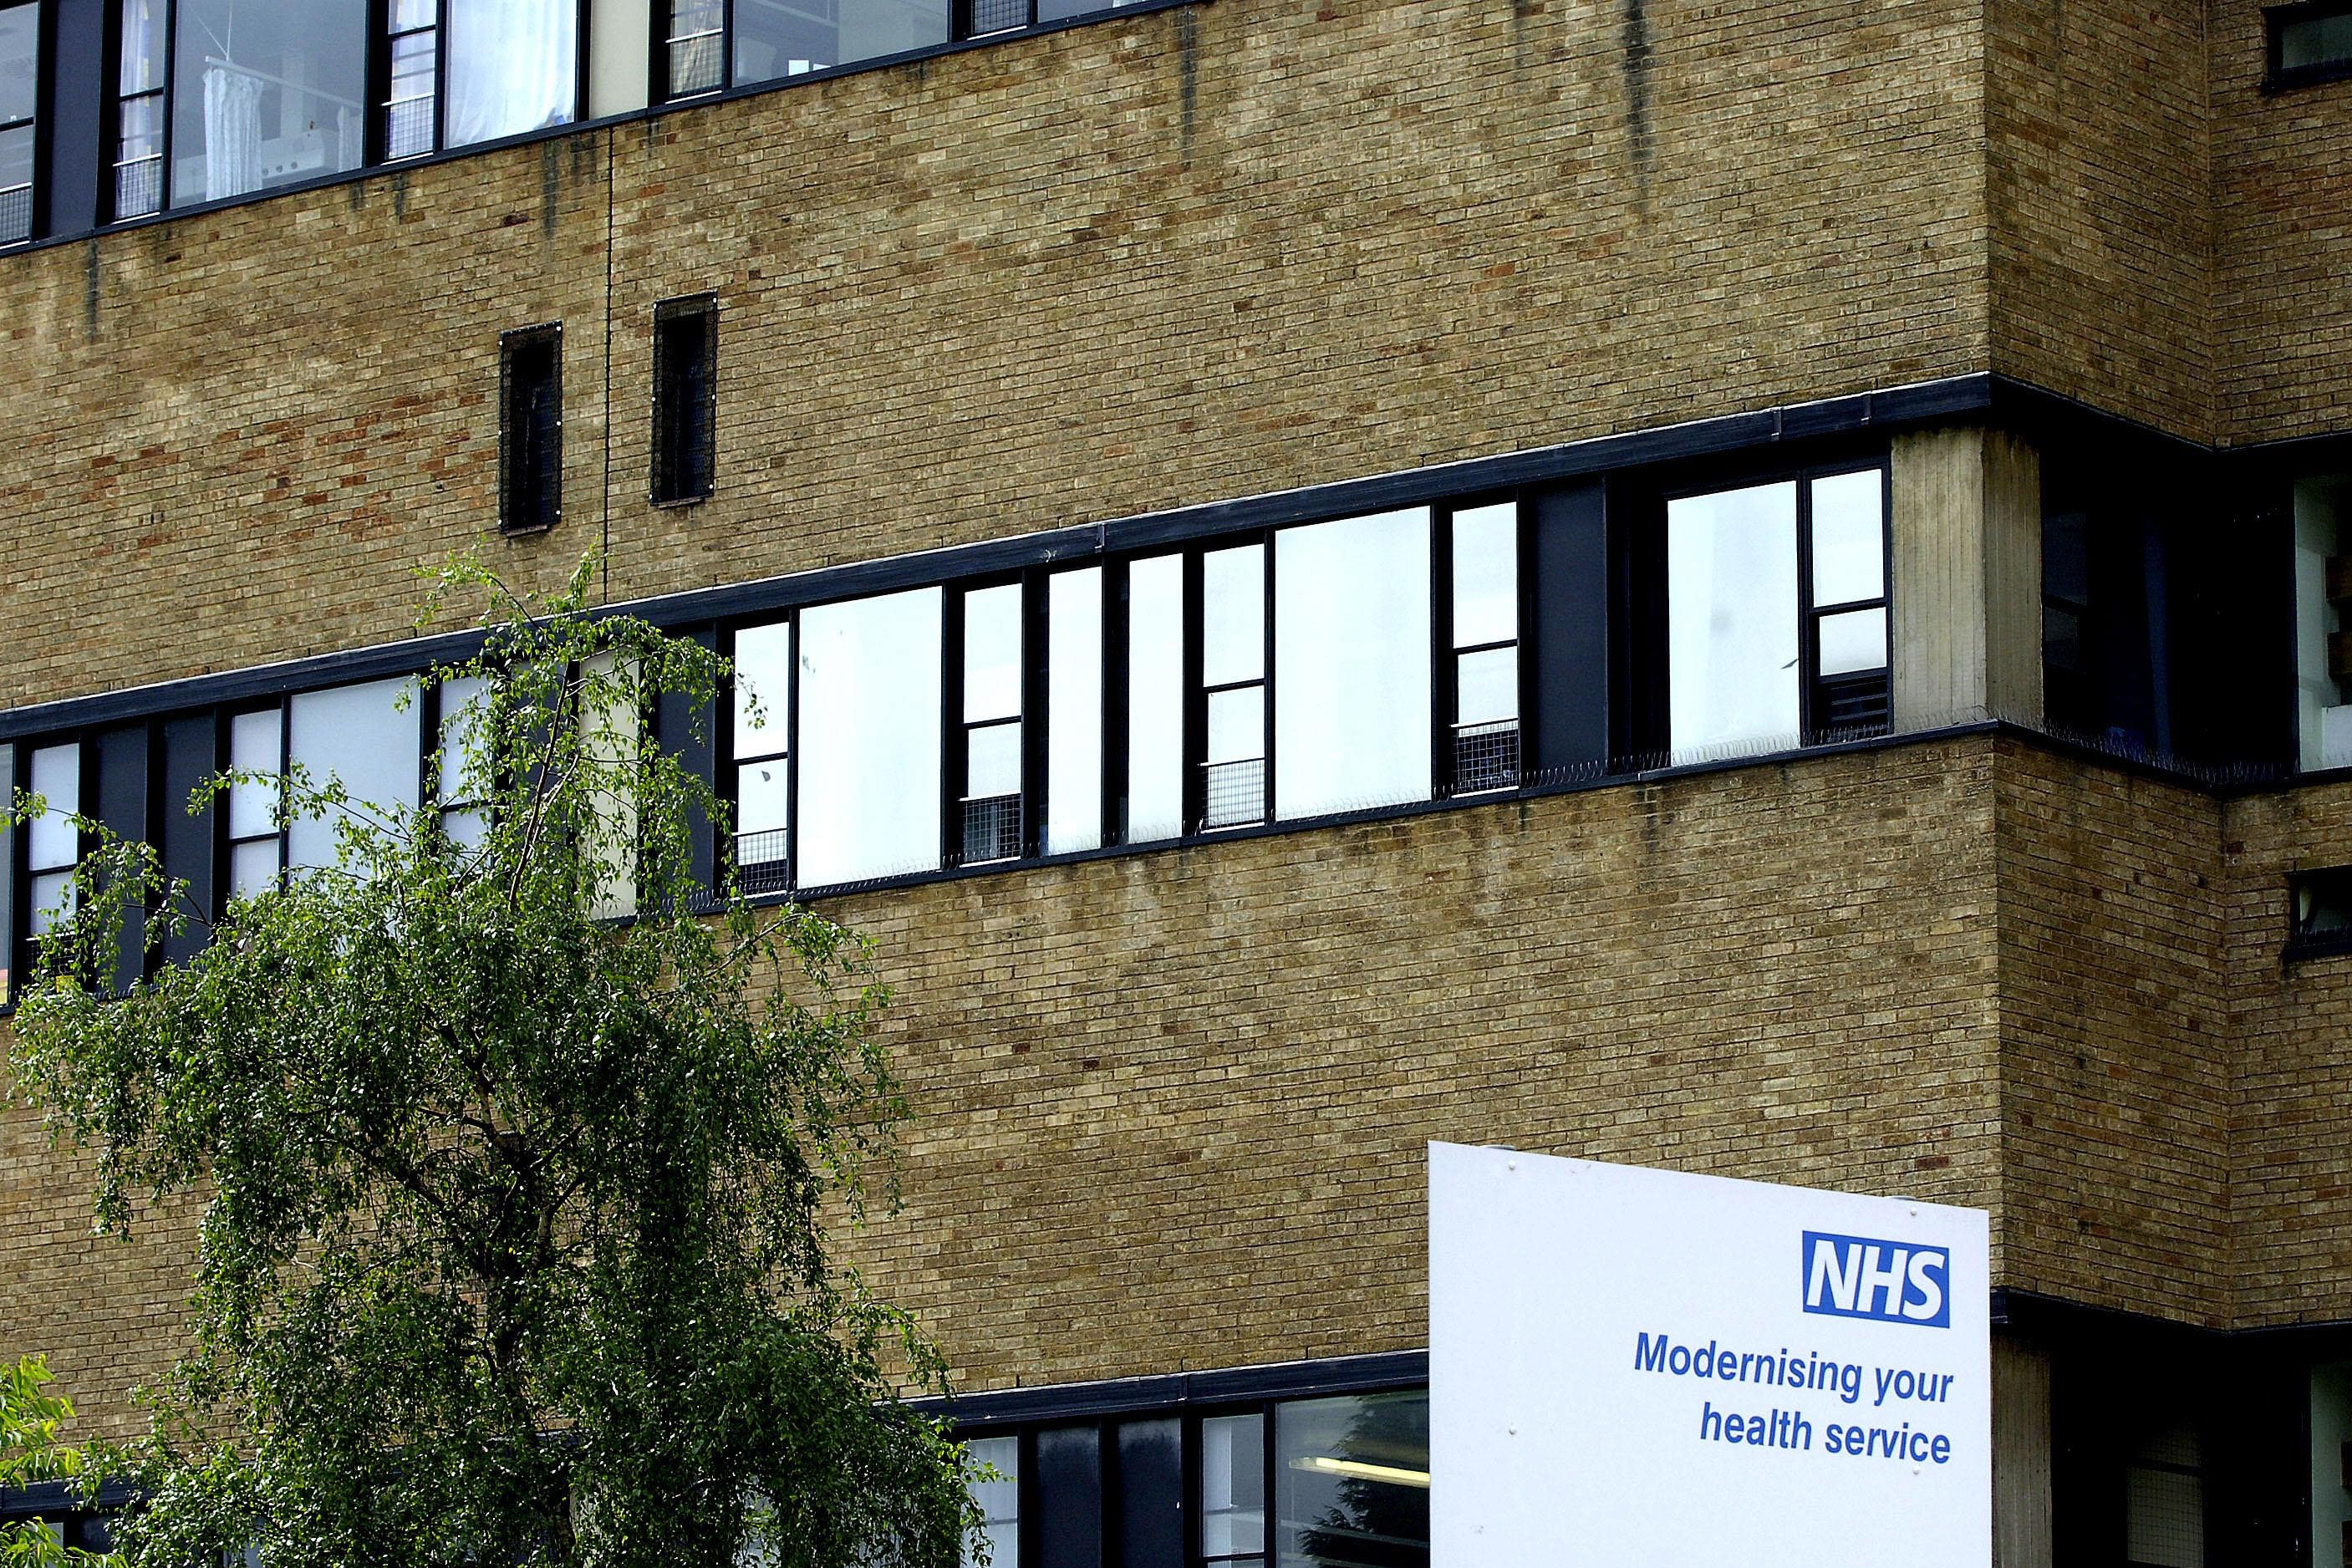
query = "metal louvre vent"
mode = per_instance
[{"x": 1862, "y": 703}]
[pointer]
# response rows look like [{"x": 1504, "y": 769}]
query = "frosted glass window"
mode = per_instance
[
  {"x": 1155, "y": 699},
  {"x": 255, "y": 849},
  {"x": 1849, "y": 539},
  {"x": 265, "y": 93},
  {"x": 54, "y": 845},
  {"x": 1073, "y": 749},
  {"x": 1731, "y": 621},
  {"x": 763, "y": 688},
  {"x": 1233, "y": 614},
  {"x": 463, "y": 703},
  {"x": 1232, "y": 1489},
  {"x": 1351, "y": 661},
  {"x": 869, "y": 738},
  {"x": 1852, "y": 640},
  {"x": 1488, "y": 685},
  {"x": 1236, "y": 725},
  {"x": 992, "y": 653},
  {"x": 368, "y": 738},
  {"x": 999, "y": 1501},
  {"x": 1487, "y": 576},
  {"x": 992, "y": 812},
  {"x": 512, "y": 66},
  {"x": 7, "y": 871}
]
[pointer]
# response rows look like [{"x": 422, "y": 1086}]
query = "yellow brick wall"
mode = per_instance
[{"x": 1161, "y": 260}]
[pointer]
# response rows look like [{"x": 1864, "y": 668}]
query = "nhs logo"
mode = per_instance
[{"x": 1893, "y": 1282}]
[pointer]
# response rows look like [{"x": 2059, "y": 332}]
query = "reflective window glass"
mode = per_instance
[
  {"x": 999, "y": 1499},
  {"x": 512, "y": 68},
  {"x": 1351, "y": 1481},
  {"x": 7, "y": 872},
  {"x": 265, "y": 92},
  {"x": 253, "y": 747},
  {"x": 1731, "y": 621},
  {"x": 1155, "y": 699},
  {"x": 1233, "y": 614},
  {"x": 774, "y": 38},
  {"x": 869, "y": 738},
  {"x": 1232, "y": 1489},
  {"x": 57, "y": 778},
  {"x": 1485, "y": 575},
  {"x": 1488, "y": 686},
  {"x": 1074, "y": 701},
  {"x": 1849, "y": 538},
  {"x": 463, "y": 703},
  {"x": 1852, "y": 640},
  {"x": 763, "y": 688},
  {"x": 363, "y": 736},
  {"x": 142, "y": 47},
  {"x": 992, "y": 653},
  {"x": 2315, "y": 42},
  {"x": 20, "y": 38},
  {"x": 1236, "y": 725},
  {"x": 1352, "y": 664}
]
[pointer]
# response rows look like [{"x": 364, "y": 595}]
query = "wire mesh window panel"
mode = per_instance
[
  {"x": 997, "y": 15},
  {"x": 697, "y": 47},
  {"x": 1486, "y": 756},
  {"x": 992, "y": 829},
  {"x": 19, "y": 94},
  {"x": 415, "y": 75},
  {"x": 15, "y": 213},
  {"x": 763, "y": 861},
  {"x": 1237, "y": 794}
]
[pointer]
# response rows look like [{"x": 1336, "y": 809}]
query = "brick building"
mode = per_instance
[{"x": 1752, "y": 588}]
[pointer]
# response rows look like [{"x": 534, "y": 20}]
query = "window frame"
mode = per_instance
[
  {"x": 1646, "y": 627},
  {"x": 513, "y": 471},
  {"x": 111, "y": 191},
  {"x": 956, "y": 732},
  {"x": 225, "y": 842},
  {"x": 2278, "y": 78},
  {"x": 665, "y": 484},
  {"x": 780, "y": 875},
  {"x": 39, "y": 120},
  {"x": 381, "y": 63}
]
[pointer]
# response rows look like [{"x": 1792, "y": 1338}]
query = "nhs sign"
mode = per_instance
[{"x": 1863, "y": 1276}]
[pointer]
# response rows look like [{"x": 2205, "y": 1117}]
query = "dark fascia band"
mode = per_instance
[
  {"x": 1921, "y": 403},
  {"x": 1170, "y": 1391}
]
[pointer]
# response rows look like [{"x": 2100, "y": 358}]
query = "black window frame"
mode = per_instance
[
  {"x": 225, "y": 843},
  {"x": 2306, "y": 891},
  {"x": 381, "y": 38},
  {"x": 664, "y": 88},
  {"x": 1449, "y": 777},
  {"x": 684, "y": 468},
  {"x": 111, "y": 201},
  {"x": 536, "y": 511},
  {"x": 974, "y": 832},
  {"x": 2276, "y": 19},
  {"x": 773, "y": 874},
  {"x": 37, "y": 122}
]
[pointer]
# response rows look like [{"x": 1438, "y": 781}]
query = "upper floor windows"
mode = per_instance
[
  {"x": 20, "y": 94},
  {"x": 2308, "y": 43},
  {"x": 710, "y": 45}
]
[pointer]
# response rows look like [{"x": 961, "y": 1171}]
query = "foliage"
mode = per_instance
[
  {"x": 515, "y": 1150},
  {"x": 32, "y": 1450}
]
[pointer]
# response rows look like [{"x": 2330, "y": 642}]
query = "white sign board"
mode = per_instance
[{"x": 1632, "y": 1367}]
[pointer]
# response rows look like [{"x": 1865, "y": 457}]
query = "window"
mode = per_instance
[
  {"x": 140, "y": 122},
  {"x": 20, "y": 61},
  {"x": 999, "y": 1501},
  {"x": 451, "y": 73},
  {"x": 2308, "y": 43},
  {"x": 368, "y": 738},
  {"x": 868, "y": 744},
  {"x": 7, "y": 875},
  {"x": 1351, "y": 659},
  {"x": 2331, "y": 1464},
  {"x": 1233, "y": 687},
  {"x": 714, "y": 44},
  {"x": 463, "y": 788},
  {"x": 2322, "y": 640},
  {"x": 1483, "y": 631},
  {"x": 2320, "y": 906},
  {"x": 1155, "y": 700},
  {"x": 1232, "y": 1490},
  {"x": 1074, "y": 711},
  {"x": 1761, "y": 653},
  {"x": 257, "y": 846},
  {"x": 2164, "y": 1500},
  {"x": 761, "y": 735},
  {"x": 530, "y": 429},
  {"x": 991, "y": 738},
  {"x": 53, "y": 844},
  {"x": 264, "y": 93},
  {"x": 1000, "y": 15},
  {"x": 686, "y": 375}
]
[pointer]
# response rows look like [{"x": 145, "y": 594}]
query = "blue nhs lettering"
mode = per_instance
[{"x": 1863, "y": 1276}]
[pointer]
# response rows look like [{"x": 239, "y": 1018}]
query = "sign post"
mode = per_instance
[{"x": 1634, "y": 1367}]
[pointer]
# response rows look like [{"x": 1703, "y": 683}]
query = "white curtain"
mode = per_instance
[
  {"x": 232, "y": 131},
  {"x": 512, "y": 66}
]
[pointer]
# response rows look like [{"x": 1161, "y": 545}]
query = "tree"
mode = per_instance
[
  {"x": 515, "y": 1149},
  {"x": 32, "y": 1450}
]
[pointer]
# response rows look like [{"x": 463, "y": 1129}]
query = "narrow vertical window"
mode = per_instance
[
  {"x": 1846, "y": 533},
  {"x": 20, "y": 55},
  {"x": 7, "y": 875},
  {"x": 762, "y": 753},
  {"x": 53, "y": 844},
  {"x": 992, "y": 816},
  {"x": 1485, "y": 725},
  {"x": 999, "y": 1499},
  {"x": 1352, "y": 661},
  {"x": 513, "y": 67},
  {"x": 1074, "y": 711},
  {"x": 2164, "y": 1499},
  {"x": 1155, "y": 700},
  {"x": 2322, "y": 633},
  {"x": 686, "y": 381},
  {"x": 1232, "y": 1491},
  {"x": 413, "y": 81},
  {"x": 256, "y": 845},
  {"x": 139, "y": 116},
  {"x": 463, "y": 788},
  {"x": 697, "y": 43},
  {"x": 1233, "y": 685},
  {"x": 530, "y": 429}
]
